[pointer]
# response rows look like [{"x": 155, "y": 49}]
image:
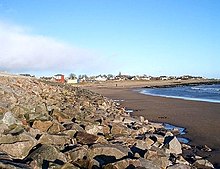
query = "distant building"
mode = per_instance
[
  {"x": 46, "y": 78},
  {"x": 146, "y": 78},
  {"x": 135, "y": 78},
  {"x": 164, "y": 78},
  {"x": 27, "y": 75},
  {"x": 72, "y": 81},
  {"x": 59, "y": 78},
  {"x": 100, "y": 78}
]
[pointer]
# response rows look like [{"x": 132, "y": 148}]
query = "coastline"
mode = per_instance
[
  {"x": 185, "y": 83},
  {"x": 179, "y": 97},
  {"x": 201, "y": 119},
  {"x": 148, "y": 83}
]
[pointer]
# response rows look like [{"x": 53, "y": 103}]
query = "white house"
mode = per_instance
[
  {"x": 72, "y": 81},
  {"x": 146, "y": 78},
  {"x": 100, "y": 78},
  {"x": 164, "y": 78}
]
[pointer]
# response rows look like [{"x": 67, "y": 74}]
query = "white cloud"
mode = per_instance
[{"x": 21, "y": 51}]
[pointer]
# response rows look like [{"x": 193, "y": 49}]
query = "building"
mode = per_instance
[
  {"x": 164, "y": 78},
  {"x": 59, "y": 78},
  {"x": 100, "y": 78},
  {"x": 72, "y": 81},
  {"x": 26, "y": 75}
]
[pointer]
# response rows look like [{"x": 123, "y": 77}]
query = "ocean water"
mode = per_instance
[
  {"x": 182, "y": 131},
  {"x": 207, "y": 93}
]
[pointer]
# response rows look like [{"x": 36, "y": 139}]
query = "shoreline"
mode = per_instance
[
  {"x": 179, "y": 97},
  {"x": 201, "y": 128},
  {"x": 148, "y": 84},
  {"x": 186, "y": 83}
]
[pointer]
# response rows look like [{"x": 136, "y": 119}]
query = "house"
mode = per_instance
[
  {"x": 46, "y": 78},
  {"x": 146, "y": 78},
  {"x": 59, "y": 78},
  {"x": 27, "y": 75},
  {"x": 164, "y": 78},
  {"x": 100, "y": 78},
  {"x": 72, "y": 81},
  {"x": 135, "y": 78}
]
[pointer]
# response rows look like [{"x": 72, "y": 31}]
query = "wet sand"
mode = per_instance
[{"x": 201, "y": 119}]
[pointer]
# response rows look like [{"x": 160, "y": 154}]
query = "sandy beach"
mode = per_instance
[{"x": 201, "y": 119}]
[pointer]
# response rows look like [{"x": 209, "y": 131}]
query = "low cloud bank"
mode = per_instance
[{"x": 21, "y": 51}]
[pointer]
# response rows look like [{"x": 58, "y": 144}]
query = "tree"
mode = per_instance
[
  {"x": 72, "y": 76},
  {"x": 83, "y": 76},
  {"x": 110, "y": 76}
]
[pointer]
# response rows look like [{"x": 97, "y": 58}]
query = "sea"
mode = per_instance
[{"x": 206, "y": 93}]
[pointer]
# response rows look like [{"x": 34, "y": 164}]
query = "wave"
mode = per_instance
[
  {"x": 195, "y": 88},
  {"x": 197, "y": 93},
  {"x": 184, "y": 98},
  {"x": 206, "y": 89}
]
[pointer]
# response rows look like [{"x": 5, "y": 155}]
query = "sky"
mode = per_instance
[{"x": 152, "y": 37}]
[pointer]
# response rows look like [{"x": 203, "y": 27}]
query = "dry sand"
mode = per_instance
[{"x": 201, "y": 119}]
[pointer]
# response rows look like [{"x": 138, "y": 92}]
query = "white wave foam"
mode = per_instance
[
  {"x": 180, "y": 97},
  {"x": 206, "y": 89}
]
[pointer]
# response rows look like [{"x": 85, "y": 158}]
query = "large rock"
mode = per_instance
[
  {"x": 45, "y": 153},
  {"x": 3, "y": 109},
  {"x": 173, "y": 145},
  {"x": 3, "y": 128},
  {"x": 31, "y": 117},
  {"x": 158, "y": 157},
  {"x": 143, "y": 130},
  {"x": 158, "y": 138},
  {"x": 127, "y": 141},
  {"x": 17, "y": 146},
  {"x": 120, "y": 130},
  {"x": 139, "y": 148},
  {"x": 9, "y": 119},
  {"x": 161, "y": 162},
  {"x": 43, "y": 126},
  {"x": 179, "y": 166},
  {"x": 6, "y": 162},
  {"x": 147, "y": 164},
  {"x": 102, "y": 140},
  {"x": 35, "y": 133},
  {"x": 60, "y": 116},
  {"x": 86, "y": 138},
  {"x": 55, "y": 128},
  {"x": 144, "y": 145},
  {"x": 93, "y": 164},
  {"x": 94, "y": 129},
  {"x": 149, "y": 142},
  {"x": 126, "y": 163},
  {"x": 54, "y": 139},
  {"x": 79, "y": 156},
  {"x": 181, "y": 160},
  {"x": 114, "y": 152},
  {"x": 70, "y": 133},
  {"x": 9, "y": 164},
  {"x": 203, "y": 164},
  {"x": 15, "y": 130},
  {"x": 69, "y": 166},
  {"x": 106, "y": 129}
]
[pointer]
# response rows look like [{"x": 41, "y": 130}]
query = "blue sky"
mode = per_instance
[{"x": 162, "y": 37}]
